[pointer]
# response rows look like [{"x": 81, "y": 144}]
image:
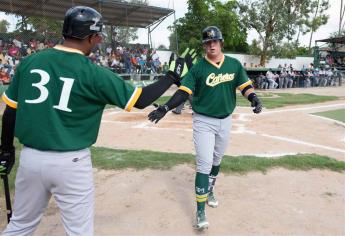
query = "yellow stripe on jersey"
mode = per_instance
[
  {"x": 184, "y": 88},
  {"x": 9, "y": 102},
  {"x": 218, "y": 66},
  {"x": 134, "y": 98},
  {"x": 67, "y": 49},
  {"x": 242, "y": 86}
]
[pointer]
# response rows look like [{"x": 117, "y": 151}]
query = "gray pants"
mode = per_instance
[
  {"x": 211, "y": 137},
  {"x": 65, "y": 175}
]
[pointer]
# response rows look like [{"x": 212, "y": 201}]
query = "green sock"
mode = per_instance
[
  {"x": 212, "y": 177},
  {"x": 215, "y": 170},
  {"x": 201, "y": 190}
]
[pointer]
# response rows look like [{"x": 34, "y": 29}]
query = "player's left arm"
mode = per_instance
[
  {"x": 247, "y": 89},
  {"x": 248, "y": 92}
]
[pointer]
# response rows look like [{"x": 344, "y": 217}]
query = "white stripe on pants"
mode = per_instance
[
  {"x": 65, "y": 175},
  {"x": 211, "y": 137}
]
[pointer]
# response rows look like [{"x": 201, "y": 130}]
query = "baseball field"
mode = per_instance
[{"x": 277, "y": 200}]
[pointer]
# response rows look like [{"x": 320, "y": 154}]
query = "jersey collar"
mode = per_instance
[
  {"x": 215, "y": 64},
  {"x": 67, "y": 49}
]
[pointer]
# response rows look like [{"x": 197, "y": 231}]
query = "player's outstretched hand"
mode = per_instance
[
  {"x": 256, "y": 103},
  {"x": 179, "y": 67},
  {"x": 159, "y": 113},
  {"x": 7, "y": 159}
]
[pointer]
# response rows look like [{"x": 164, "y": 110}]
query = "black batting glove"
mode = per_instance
[
  {"x": 7, "y": 160},
  {"x": 179, "y": 67},
  {"x": 255, "y": 102},
  {"x": 159, "y": 113}
]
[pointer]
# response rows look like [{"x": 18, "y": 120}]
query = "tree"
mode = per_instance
[
  {"x": 120, "y": 34},
  {"x": 210, "y": 12},
  {"x": 46, "y": 27},
  {"x": 276, "y": 20},
  {"x": 162, "y": 47},
  {"x": 319, "y": 18},
  {"x": 341, "y": 17},
  {"x": 4, "y": 26}
]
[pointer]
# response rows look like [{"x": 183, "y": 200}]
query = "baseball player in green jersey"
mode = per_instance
[
  {"x": 54, "y": 107},
  {"x": 212, "y": 81}
]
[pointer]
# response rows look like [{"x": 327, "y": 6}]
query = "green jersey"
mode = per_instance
[
  {"x": 60, "y": 95},
  {"x": 214, "y": 86}
]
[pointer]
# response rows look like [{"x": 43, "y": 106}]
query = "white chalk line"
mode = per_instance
[
  {"x": 265, "y": 112},
  {"x": 329, "y": 119},
  {"x": 242, "y": 130},
  {"x": 296, "y": 141}
]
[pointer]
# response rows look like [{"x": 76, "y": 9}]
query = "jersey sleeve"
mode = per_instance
[
  {"x": 188, "y": 81},
  {"x": 10, "y": 96},
  {"x": 242, "y": 79},
  {"x": 112, "y": 89}
]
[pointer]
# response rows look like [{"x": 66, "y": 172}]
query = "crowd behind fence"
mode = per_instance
[
  {"x": 290, "y": 78},
  {"x": 122, "y": 60}
]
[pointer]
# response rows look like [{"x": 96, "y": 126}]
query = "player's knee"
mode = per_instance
[{"x": 203, "y": 166}]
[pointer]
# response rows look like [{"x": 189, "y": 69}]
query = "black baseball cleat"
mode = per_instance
[{"x": 175, "y": 112}]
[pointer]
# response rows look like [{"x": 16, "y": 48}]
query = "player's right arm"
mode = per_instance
[
  {"x": 177, "y": 69},
  {"x": 7, "y": 149}
]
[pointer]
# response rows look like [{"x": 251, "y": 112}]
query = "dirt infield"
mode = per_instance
[{"x": 280, "y": 202}]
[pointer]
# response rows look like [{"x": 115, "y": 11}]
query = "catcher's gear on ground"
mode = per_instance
[
  {"x": 179, "y": 67},
  {"x": 81, "y": 22},
  {"x": 159, "y": 113},
  {"x": 7, "y": 159},
  {"x": 255, "y": 102},
  {"x": 211, "y": 33}
]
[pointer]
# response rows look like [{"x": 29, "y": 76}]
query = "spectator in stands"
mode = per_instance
[
  {"x": 282, "y": 78},
  {"x": 307, "y": 78},
  {"x": 6, "y": 66},
  {"x": 109, "y": 50},
  {"x": 4, "y": 76},
  {"x": 322, "y": 76},
  {"x": 270, "y": 78},
  {"x": 127, "y": 60},
  {"x": 289, "y": 78},
  {"x": 142, "y": 64},
  {"x": 165, "y": 67}
]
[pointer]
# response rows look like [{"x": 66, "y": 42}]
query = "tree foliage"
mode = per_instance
[
  {"x": 277, "y": 20},
  {"x": 210, "y": 12},
  {"x": 4, "y": 24}
]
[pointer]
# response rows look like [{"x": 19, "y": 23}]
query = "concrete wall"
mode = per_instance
[{"x": 297, "y": 63}]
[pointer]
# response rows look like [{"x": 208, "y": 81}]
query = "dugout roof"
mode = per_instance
[
  {"x": 340, "y": 40},
  {"x": 114, "y": 12}
]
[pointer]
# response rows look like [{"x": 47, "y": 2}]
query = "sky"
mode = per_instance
[{"x": 161, "y": 33}]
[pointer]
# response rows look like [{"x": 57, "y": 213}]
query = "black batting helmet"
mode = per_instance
[
  {"x": 81, "y": 21},
  {"x": 211, "y": 33}
]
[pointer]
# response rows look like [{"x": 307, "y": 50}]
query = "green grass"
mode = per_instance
[
  {"x": 338, "y": 115},
  {"x": 106, "y": 158},
  {"x": 274, "y": 100},
  {"x": 113, "y": 159}
]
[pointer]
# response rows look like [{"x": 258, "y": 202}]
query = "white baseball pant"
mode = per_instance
[
  {"x": 211, "y": 137},
  {"x": 65, "y": 175}
]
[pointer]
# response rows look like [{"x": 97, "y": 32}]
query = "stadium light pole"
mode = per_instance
[{"x": 175, "y": 26}]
